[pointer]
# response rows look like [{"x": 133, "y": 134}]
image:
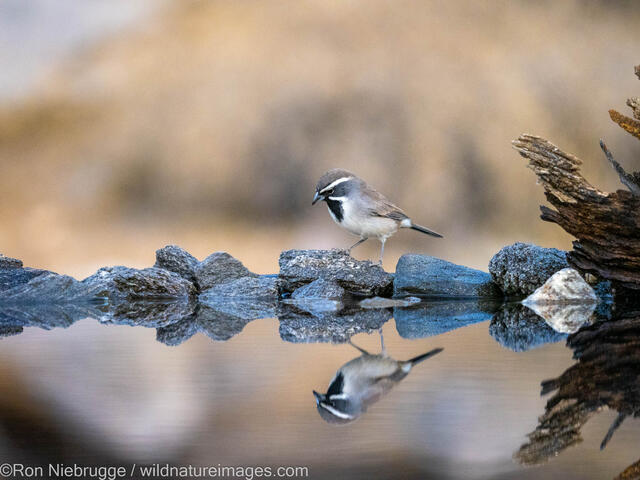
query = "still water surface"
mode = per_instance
[{"x": 113, "y": 394}]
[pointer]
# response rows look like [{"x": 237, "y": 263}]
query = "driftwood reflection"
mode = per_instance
[{"x": 607, "y": 374}]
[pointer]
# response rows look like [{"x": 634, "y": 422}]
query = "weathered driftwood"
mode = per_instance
[{"x": 606, "y": 225}]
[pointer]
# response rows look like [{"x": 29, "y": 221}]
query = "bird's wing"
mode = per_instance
[{"x": 383, "y": 207}]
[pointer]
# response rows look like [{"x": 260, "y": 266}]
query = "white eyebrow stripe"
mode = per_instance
[
  {"x": 338, "y": 396},
  {"x": 336, "y": 412},
  {"x": 334, "y": 183}
]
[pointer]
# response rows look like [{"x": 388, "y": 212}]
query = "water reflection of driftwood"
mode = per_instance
[{"x": 607, "y": 374}]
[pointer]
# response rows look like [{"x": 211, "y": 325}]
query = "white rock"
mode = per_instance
[
  {"x": 565, "y": 318},
  {"x": 564, "y": 286},
  {"x": 565, "y": 301}
]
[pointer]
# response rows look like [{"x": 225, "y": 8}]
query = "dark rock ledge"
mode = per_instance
[
  {"x": 318, "y": 295},
  {"x": 304, "y": 275}
]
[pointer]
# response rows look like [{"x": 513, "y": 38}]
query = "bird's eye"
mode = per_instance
[{"x": 330, "y": 192}]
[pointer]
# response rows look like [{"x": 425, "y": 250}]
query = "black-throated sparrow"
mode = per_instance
[
  {"x": 360, "y": 209},
  {"x": 362, "y": 382}
]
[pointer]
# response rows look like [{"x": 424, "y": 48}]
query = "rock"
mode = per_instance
[
  {"x": 216, "y": 325},
  {"x": 320, "y": 288},
  {"x": 519, "y": 329},
  {"x": 11, "y": 278},
  {"x": 429, "y": 276},
  {"x": 565, "y": 318},
  {"x": 145, "y": 313},
  {"x": 435, "y": 318},
  {"x": 218, "y": 268},
  {"x": 45, "y": 287},
  {"x": 177, "y": 260},
  {"x": 565, "y": 286},
  {"x": 379, "y": 302},
  {"x": 315, "y": 306},
  {"x": 10, "y": 330},
  {"x": 336, "y": 327},
  {"x": 177, "y": 333},
  {"x": 318, "y": 297},
  {"x": 299, "y": 267},
  {"x": 123, "y": 283},
  {"x": 520, "y": 268},
  {"x": 246, "y": 298},
  {"x": 220, "y": 326},
  {"x": 9, "y": 263},
  {"x": 265, "y": 286},
  {"x": 43, "y": 315},
  {"x": 245, "y": 308}
]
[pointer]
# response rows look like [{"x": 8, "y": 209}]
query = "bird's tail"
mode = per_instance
[
  {"x": 422, "y": 229},
  {"x": 424, "y": 356}
]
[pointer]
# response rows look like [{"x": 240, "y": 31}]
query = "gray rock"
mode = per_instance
[
  {"x": 246, "y": 298},
  {"x": 178, "y": 332},
  {"x": 434, "y": 318},
  {"x": 45, "y": 287},
  {"x": 9, "y": 263},
  {"x": 519, "y": 329},
  {"x": 217, "y": 325},
  {"x": 43, "y": 315},
  {"x": 380, "y": 302},
  {"x": 265, "y": 286},
  {"x": 520, "y": 268},
  {"x": 11, "y": 278},
  {"x": 319, "y": 288},
  {"x": 298, "y": 326},
  {"x": 10, "y": 330},
  {"x": 299, "y": 267},
  {"x": 315, "y": 306},
  {"x": 218, "y": 268},
  {"x": 119, "y": 283},
  {"x": 145, "y": 313},
  {"x": 429, "y": 276},
  {"x": 220, "y": 326},
  {"x": 177, "y": 260}
]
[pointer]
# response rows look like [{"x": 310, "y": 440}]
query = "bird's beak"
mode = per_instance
[
  {"x": 319, "y": 397},
  {"x": 316, "y": 197}
]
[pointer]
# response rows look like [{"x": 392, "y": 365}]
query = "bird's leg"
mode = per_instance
[
  {"x": 384, "y": 350},
  {"x": 356, "y": 244},
  {"x": 382, "y": 251},
  {"x": 362, "y": 350}
]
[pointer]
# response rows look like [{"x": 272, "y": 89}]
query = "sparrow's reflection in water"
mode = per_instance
[
  {"x": 607, "y": 374},
  {"x": 362, "y": 382}
]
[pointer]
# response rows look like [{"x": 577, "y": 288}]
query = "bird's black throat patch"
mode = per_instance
[{"x": 336, "y": 208}]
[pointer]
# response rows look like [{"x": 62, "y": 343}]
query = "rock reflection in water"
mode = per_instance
[
  {"x": 437, "y": 317},
  {"x": 565, "y": 318},
  {"x": 518, "y": 328},
  {"x": 607, "y": 374},
  {"x": 300, "y": 326},
  {"x": 361, "y": 382}
]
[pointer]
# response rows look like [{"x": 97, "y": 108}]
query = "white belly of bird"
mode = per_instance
[{"x": 365, "y": 226}]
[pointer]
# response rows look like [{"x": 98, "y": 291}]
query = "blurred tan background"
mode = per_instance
[{"x": 125, "y": 126}]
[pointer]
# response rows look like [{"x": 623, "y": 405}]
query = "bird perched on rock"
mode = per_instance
[
  {"x": 361, "y": 382},
  {"x": 360, "y": 209}
]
